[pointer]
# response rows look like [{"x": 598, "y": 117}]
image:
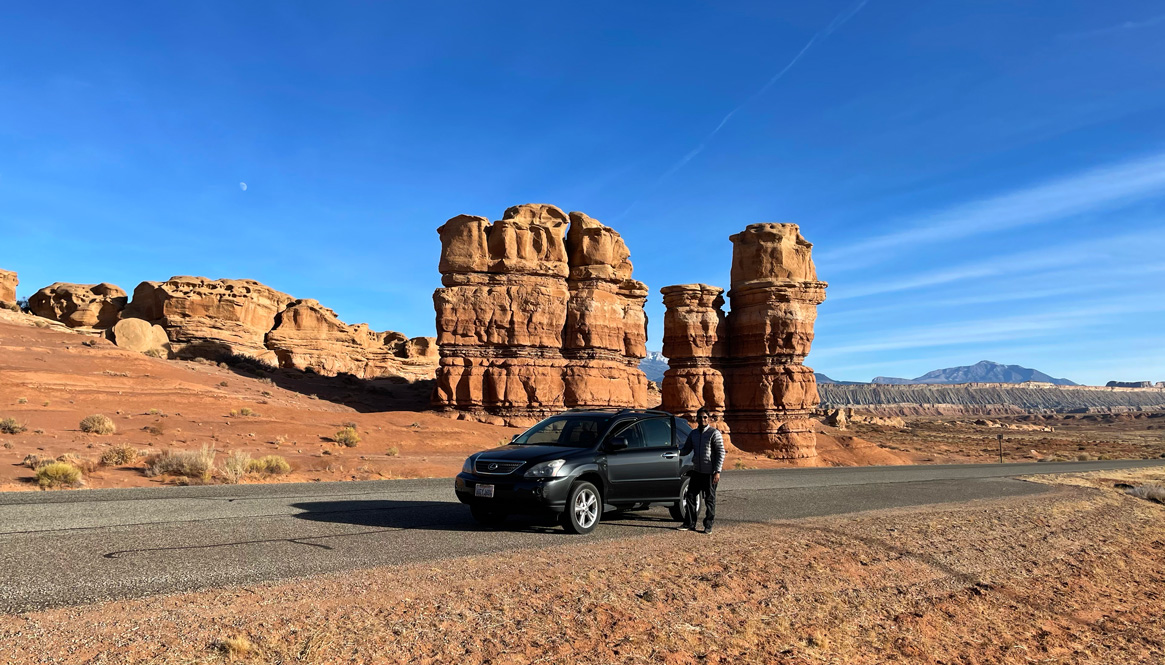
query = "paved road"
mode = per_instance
[{"x": 64, "y": 548}]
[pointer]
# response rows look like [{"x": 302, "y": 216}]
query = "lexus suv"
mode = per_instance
[{"x": 580, "y": 463}]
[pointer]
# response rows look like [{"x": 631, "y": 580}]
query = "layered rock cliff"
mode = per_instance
[
  {"x": 988, "y": 399},
  {"x": 205, "y": 318},
  {"x": 745, "y": 367},
  {"x": 80, "y": 305},
  {"x": 537, "y": 312}
]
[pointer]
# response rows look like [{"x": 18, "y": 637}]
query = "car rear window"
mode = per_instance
[{"x": 565, "y": 431}]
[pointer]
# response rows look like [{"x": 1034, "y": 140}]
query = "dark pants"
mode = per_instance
[{"x": 700, "y": 487}]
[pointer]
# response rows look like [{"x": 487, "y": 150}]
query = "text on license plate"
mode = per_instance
[{"x": 484, "y": 490}]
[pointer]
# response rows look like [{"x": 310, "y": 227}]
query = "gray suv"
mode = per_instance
[{"x": 579, "y": 464}]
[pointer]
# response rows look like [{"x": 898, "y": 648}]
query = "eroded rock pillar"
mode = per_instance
[
  {"x": 695, "y": 342},
  {"x": 774, "y": 298}
]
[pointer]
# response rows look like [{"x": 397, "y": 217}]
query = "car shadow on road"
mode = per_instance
[
  {"x": 446, "y": 516},
  {"x": 427, "y": 515}
]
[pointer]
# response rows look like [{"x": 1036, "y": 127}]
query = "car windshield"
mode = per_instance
[{"x": 565, "y": 431}]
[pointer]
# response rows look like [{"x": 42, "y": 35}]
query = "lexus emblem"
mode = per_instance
[{"x": 493, "y": 467}]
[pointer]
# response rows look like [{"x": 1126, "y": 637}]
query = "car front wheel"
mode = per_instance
[{"x": 584, "y": 506}]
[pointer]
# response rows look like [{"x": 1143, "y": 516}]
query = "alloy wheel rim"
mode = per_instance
[{"x": 586, "y": 508}]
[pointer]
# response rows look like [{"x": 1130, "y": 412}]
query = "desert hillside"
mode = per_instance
[
  {"x": 988, "y": 398},
  {"x": 53, "y": 377}
]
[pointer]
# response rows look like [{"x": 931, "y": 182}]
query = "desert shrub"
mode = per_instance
[
  {"x": 119, "y": 455},
  {"x": 184, "y": 463},
  {"x": 85, "y": 464},
  {"x": 236, "y": 646},
  {"x": 98, "y": 424},
  {"x": 1149, "y": 492},
  {"x": 392, "y": 451},
  {"x": 155, "y": 353},
  {"x": 22, "y": 400},
  {"x": 155, "y": 412},
  {"x": 12, "y": 426},
  {"x": 224, "y": 384},
  {"x": 58, "y": 474},
  {"x": 235, "y": 466},
  {"x": 154, "y": 430},
  {"x": 272, "y": 465},
  {"x": 349, "y": 424},
  {"x": 33, "y": 460},
  {"x": 347, "y": 437}
]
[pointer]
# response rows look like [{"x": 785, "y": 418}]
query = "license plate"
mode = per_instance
[{"x": 484, "y": 490}]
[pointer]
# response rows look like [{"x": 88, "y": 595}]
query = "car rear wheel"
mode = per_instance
[
  {"x": 677, "y": 509},
  {"x": 584, "y": 507},
  {"x": 487, "y": 516}
]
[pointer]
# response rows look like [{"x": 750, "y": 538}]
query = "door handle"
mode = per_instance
[{"x": 670, "y": 455}]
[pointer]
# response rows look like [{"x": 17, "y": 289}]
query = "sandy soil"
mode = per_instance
[
  {"x": 928, "y": 440},
  {"x": 1072, "y": 576},
  {"x": 52, "y": 378}
]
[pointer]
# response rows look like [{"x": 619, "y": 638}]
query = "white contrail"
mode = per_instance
[{"x": 836, "y": 23}]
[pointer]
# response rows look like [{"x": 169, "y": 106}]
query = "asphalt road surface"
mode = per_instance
[{"x": 66, "y": 548}]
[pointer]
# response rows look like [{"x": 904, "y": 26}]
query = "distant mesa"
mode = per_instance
[
  {"x": 1134, "y": 384},
  {"x": 983, "y": 371}
]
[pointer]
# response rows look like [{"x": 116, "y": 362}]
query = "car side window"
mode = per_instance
[
  {"x": 683, "y": 429},
  {"x": 656, "y": 433},
  {"x": 633, "y": 435}
]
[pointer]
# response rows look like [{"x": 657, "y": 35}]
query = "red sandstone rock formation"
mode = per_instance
[
  {"x": 695, "y": 341},
  {"x": 79, "y": 305},
  {"x": 8, "y": 284},
  {"x": 752, "y": 377},
  {"x": 534, "y": 318},
  {"x": 308, "y": 335},
  {"x": 211, "y": 318},
  {"x": 216, "y": 318}
]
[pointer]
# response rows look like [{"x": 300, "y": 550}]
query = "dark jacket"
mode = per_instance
[{"x": 708, "y": 446}]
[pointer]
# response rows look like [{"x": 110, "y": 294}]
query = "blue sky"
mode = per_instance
[{"x": 981, "y": 179}]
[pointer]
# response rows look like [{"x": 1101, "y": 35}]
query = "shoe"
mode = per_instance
[
  {"x": 707, "y": 529},
  {"x": 685, "y": 527}
]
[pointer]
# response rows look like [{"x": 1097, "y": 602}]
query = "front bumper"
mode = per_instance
[{"x": 515, "y": 493}]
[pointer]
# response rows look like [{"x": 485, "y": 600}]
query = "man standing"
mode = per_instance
[{"x": 707, "y": 445}]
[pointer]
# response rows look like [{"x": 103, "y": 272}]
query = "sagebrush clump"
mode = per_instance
[
  {"x": 56, "y": 475},
  {"x": 119, "y": 455},
  {"x": 198, "y": 464},
  {"x": 98, "y": 424},
  {"x": 235, "y": 466},
  {"x": 12, "y": 426},
  {"x": 271, "y": 465},
  {"x": 348, "y": 437}
]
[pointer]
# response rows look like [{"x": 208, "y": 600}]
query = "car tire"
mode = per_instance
[
  {"x": 677, "y": 509},
  {"x": 486, "y": 516},
  {"x": 584, "y": 508}
]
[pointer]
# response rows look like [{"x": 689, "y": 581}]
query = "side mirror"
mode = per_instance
[{"x": 617, "y": 443}]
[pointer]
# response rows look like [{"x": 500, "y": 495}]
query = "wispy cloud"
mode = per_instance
[
  {"x": 1093, "y": 190},
  {"x": 997, "y": 329},
  {"x": 825, "y": 32},
  {"x": 1121, "y": 27}
]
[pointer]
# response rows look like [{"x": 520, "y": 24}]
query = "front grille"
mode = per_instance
[{"x": 495, "y": 467}]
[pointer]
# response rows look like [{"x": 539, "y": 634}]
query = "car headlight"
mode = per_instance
[
  {"x": 546, "y": 469},
  {"x": 468, "y": 466}
]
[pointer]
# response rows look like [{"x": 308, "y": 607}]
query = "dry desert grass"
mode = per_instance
[{"x": 1076, "y": 575}]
